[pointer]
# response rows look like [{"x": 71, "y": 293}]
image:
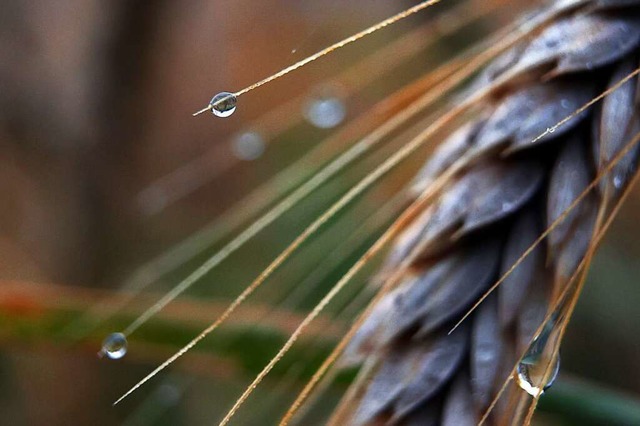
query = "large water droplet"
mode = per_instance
[
  {"x": 114, "y": 346},
  {"x": 539, "y": 367},
  {"x": 531, "y": 376},
  {"x": 223, "y": 104},
  {"x": 325, "y": 110},
  {"x": 248, "y": 146}
]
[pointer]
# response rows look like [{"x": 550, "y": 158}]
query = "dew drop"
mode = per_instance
[
  {"x": 223, "y": 104},
  {"x": 539, "y": 367},
  {"x": 114, "y": 346},
  {"x": 248, "y": 145},
  {"x": 325, "y": 110},
  {"x": 530, "y": 376},
  {"x": 564, "y": 103}
]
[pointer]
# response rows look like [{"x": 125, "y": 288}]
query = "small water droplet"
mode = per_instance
[
  {"x": 539, "y": 367},
  {"x": 223, "y": 104},
  {"x": 325, "y": 110},
  {"x": 248, "y": 146},
  {"x": 564, "y": 103},
  {"x": 114, "y": 346}
]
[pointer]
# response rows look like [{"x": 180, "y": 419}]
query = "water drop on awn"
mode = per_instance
[
  {"x": 530, "y": 376},
  {"x": 114, "y": 346},
  {"x": 538, "y": 368},
  {"x": 223, "y": 104}
]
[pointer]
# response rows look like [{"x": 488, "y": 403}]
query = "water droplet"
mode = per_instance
[
  {"x": 114, "y": 346},
  {"x": 223, "y": 104},
  {"x": 248, "y": 146},
  {"x": 325, "y": 110},
  {"x": 565, "y": 104},
  {"x": 530, "y": 376},
  {"x": 539, "y": 367}
]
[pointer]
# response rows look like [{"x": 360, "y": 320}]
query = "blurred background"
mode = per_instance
[{"x": 103, "y": 171}]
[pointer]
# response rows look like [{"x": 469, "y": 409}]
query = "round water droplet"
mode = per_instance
[
  {"x": 326, "y": 110},
  {"x": 530, "y": 376},
  {"x": 114, "y": 346},
  {"x": 223, "y": 104},
  {"x": 565, "y": 104},
  {"x": 248, "y": 146}
]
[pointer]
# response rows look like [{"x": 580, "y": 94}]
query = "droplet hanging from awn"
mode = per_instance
[
  {"x": 223, "y": 104},
  {"x": 539, "y": 367},
  {"x": 531, "y": 376},
  {"x": 114, "y": 346}
]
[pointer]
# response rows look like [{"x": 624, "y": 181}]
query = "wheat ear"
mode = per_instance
[{"x": 522, "y": 173}]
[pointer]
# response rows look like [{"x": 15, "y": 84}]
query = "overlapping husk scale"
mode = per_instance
[{"x": 513, "y": 186}]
